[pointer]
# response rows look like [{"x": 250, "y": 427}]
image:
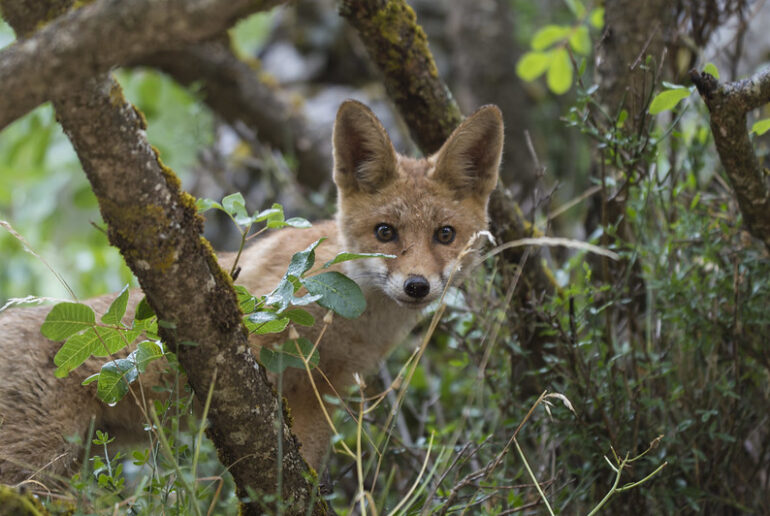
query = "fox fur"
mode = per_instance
[{"x": 431, "y": 207}]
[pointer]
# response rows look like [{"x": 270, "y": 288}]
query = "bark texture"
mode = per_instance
[
  {"x": 399, "y": 48},
  {"x": 156, "y": 227},
  {"x": 234, "y": 90},
  {"x": 90, "y": 40},
  {"x": 484, "y": 52},
  {"x": 729, "y": 104}
]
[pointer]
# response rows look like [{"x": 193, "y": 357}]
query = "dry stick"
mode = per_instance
[{"x": 486, "y": 470}]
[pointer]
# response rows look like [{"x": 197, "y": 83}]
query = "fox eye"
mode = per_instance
[
  {"x": 385, "y": 232},
  {"x": 445, "y": 235}
]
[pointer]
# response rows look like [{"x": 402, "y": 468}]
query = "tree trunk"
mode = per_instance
[{"x": 158, "y": 231}]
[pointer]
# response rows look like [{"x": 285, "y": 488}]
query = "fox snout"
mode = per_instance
[{"x": 416, "y": 286}]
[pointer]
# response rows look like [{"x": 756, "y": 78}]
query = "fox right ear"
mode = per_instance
[
  {"x": 470, "y": 158},
  {"x": 364, "y": 158}
]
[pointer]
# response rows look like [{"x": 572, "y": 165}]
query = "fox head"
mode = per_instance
[{"x": 423, "y": 211}]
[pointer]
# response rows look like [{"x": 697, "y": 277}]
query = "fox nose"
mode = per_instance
[{"x": 416, "y": 286}]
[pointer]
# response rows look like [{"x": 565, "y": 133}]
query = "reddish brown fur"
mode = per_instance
[{"x": 375, "y": 185}]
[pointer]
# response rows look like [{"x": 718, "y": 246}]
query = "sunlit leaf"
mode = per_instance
[
  {"x": 668, "y": 99},
  {"x": 761, "y": 126},
  {"x": 532, "y": 65},
  {"x": 559, "y": 76},
  {"x": 712, "y": 70},
  {"x": 596, "y": 18},
  {"x": 549, "y": 35},
  {"x": 580, "y": 41}
]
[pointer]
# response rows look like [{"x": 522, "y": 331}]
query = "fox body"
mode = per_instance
[{"x": 423, "y": 211}]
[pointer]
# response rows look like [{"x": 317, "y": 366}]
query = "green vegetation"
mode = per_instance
[{"x": 645, "y": 394}]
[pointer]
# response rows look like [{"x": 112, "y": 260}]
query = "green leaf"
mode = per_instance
[
  {"x": 344, "y": 257},
  {"x": 281, "y": 296},
  {"x": 596, "y": 18},
  {"x": 667, "y": 99},
  {"x": 298, "y": 222},
  {"x": 580, "y": 41},
  {"x": 532, "y": 65},
  {"x": 577, "y": 8},
  {"x": 339, "y": 293},
  {"x": 114, "y": 379},
  {"x": 760, "y": 127},
  {"x": 559, "y": 77},
  {"x": 110, "y": 340},
  {"x": 622, "y": 116},
  {"x": 262, "y": 327},
  {"x": 66, "y": 319},
  {"x": 246, "y": 301},
  {"x": 712, "y": 70},
  {"x": 265, "y": 214},
  {"x": 90, "y": 379},
  {"x": 117, "y": 308},
  {"x": 235, "y": 205},
  {"x": 144, "y": 310},
  {"x": 276, "y": 218},
  {"x": 74, "y": 352},
  {"x": 146, "y": 352},
  {"x": 299, "y": 316},
  {"x": 206, "y": 204},
  {"x": 289, "y": 354},
  {"x": 302, "y": 261},
  {"x": 549, "y": 35}
]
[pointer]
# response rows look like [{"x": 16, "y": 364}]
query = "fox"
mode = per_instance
[{"x": 423, "y": 211}]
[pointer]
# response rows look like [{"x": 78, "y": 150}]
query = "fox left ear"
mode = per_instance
[{"x": 469, "y": 160}]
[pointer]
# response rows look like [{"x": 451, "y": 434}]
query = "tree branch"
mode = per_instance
[
  {"x": 233, "y": 89},
  {"x": 158, "y": 231},
  {"x": 399, "y": 47},
  {"x": 90, "y": 40},
  {"x": 729, "y": 104}
]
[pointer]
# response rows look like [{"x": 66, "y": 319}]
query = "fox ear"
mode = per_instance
[
  {"x": 364, "y": 158},
  {"x": 469, "y": 160}
]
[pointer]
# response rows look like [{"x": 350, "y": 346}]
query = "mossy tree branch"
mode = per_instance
[
  {"x": 96, "y": 37},
  {"x": 158, "y": 231},
  {"x": 729, "y": 104},
  {"x": 399, "y": 47}
]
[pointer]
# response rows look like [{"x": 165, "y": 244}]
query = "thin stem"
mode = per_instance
[{"x": 532, "y": 476}]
